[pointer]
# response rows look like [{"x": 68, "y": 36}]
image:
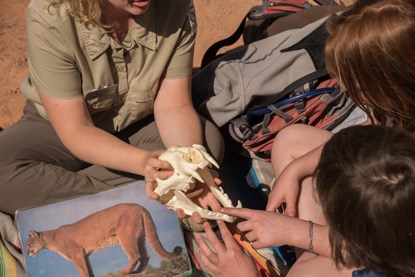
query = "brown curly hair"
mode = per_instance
[{"x": 365, "y": 182}]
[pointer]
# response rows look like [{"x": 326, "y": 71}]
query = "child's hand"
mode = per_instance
[
  {"x": 285, "y": 190},
  {"x": 225, "y": 258},
  {"x": 264, "y": 229}
]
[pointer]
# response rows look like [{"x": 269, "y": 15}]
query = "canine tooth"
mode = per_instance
[{"x": 197, "y": 176}]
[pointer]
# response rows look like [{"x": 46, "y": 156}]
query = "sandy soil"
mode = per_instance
[{"x": 217, "y": 19}]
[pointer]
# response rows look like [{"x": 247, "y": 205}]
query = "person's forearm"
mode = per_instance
[
  {"x": 300, "y": 237},
  {"x": 179, "y": 126},
  {"x": 306, "y": 164},
  {"x": 76, "y": 130},
  {"x": 96, "y": 146},
  {"x": 176, "y": 118}
]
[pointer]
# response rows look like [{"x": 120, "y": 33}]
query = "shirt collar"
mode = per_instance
[{"x": 143, "y": 32}]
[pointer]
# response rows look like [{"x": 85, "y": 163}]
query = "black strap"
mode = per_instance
[
  {"x": 211, "y": 53},
  {"x": 254, "y": 13}
]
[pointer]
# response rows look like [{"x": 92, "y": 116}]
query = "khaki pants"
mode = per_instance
[{"x": 36, "y": 168}]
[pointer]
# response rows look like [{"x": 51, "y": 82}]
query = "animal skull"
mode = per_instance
[{"x": 190, "y": 164}]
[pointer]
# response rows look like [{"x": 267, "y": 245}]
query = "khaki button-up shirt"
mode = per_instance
[{"x": 119, "y": 81}]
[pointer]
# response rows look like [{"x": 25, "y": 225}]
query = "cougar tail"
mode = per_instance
[{"x": 153, "y": 239}]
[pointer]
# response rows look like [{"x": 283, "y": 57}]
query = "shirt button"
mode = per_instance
[
  {"x": 150, "y": 93},
  {"x": 121, "y": 68}
]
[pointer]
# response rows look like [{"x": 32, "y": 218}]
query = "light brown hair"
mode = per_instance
[
  {"x": 365, "y": 182},
  {"x": 87, "y": 11},
  {"x": 371, "y": 51}
]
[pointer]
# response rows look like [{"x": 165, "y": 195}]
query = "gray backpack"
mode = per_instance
[{"x": 255, "y": 91}]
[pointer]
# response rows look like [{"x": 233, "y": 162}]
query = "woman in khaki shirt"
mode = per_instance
[{"x": 108, "y": 90}]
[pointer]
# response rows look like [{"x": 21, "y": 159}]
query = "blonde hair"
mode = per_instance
[
  {"x": 371, "y": 51},
  {"x": 87, "y": 11}
]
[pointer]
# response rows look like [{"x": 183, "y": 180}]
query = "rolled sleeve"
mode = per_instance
[
  {"x": 181, "y": 63},
  {"x": 52, "y": 68}
]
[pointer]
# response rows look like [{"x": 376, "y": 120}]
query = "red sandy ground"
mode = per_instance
[{"x": 217, "y": 19}]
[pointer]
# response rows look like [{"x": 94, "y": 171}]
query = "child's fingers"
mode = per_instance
[
  {"x": 290, "y": 208},
  {"x": 212, "y": 266},
  {"x": 256, "y": 245},
  {"x": 251, "y": 237},
  {"x": 218, "y": 246},
  {"x": 238, "y": 212},
  {"x": 213, "y": 203},
  {"x": 226, "y": 235},
  {"x": 205, "y": 251},
  {"x": 244, "y": 226},
  {"x": 274, "y": 202}
]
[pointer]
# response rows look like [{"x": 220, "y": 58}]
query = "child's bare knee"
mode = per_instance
[{"x": 290, "y": 137}]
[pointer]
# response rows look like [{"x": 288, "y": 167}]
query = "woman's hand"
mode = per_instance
[
  {"x": 155, "y": 168},
  {"x": 224, "y": 258}
]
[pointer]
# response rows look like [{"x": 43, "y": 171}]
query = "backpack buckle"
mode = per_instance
[{"x": 240, "y": 130}]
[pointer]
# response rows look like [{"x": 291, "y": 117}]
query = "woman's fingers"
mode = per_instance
[{"x": 150, "y": 186}]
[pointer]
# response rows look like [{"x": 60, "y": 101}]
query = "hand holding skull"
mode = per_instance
[{"x": 178, "y": 191}]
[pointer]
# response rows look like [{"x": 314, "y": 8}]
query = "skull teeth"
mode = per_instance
[
  {"x": 190, "y": 164},
  {"x": 179, "y": 200},
  {"x": 215, "y": 215}
]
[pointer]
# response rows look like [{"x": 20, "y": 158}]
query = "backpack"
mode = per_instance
[
  {"x": 268, "y": 84},
  {"x": 258, "y": 22}
]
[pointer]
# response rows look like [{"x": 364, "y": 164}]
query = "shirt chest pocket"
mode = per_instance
[
  {"x": 102, "y": 99},
  {"x": 138, "y": 103}
]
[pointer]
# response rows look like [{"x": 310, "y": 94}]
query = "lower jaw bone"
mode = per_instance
[{"x": 180, "y": 201}]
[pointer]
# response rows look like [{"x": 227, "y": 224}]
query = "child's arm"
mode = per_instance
[{"x": 267, "y": 229}]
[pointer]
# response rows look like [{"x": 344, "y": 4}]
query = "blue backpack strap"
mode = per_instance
[{"x": 287, "y": 101}]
